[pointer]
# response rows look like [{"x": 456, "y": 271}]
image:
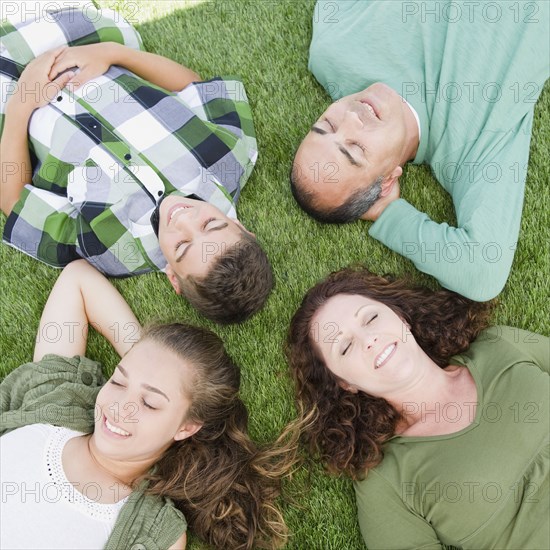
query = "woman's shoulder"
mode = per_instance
[
  {"x": 55, "y": 390},
  {"x": 54, "y": 369},
  {"x": 511, "y": 344},
  {"x": 383, "y": 479},
  {"x": 152, "y": 520}
]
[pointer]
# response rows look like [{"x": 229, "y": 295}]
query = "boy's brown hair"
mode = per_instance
[{"x": 236, "y": 286}]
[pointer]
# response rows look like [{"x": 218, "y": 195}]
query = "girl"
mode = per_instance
[{"x": 166, "y": 444}]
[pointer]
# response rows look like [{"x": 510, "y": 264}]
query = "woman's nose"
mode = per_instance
[{"x": 369, "y": 341}]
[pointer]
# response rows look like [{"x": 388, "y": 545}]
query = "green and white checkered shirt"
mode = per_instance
[{"x": 104, "y": 155}]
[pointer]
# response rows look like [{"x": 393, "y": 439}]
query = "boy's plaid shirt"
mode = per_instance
[{"x": 107, "y": 153}]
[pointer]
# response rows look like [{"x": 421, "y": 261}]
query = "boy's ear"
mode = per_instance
[
  {"x": 172, "y": 277},
  {"x": 243, "y": 227}
]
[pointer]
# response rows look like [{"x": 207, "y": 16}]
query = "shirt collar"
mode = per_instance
[
  {"x": 155, "y": 216},
  {"x": 415, "y": 116}
]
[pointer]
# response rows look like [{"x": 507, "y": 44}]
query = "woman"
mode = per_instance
[
  {"x": 442, "y": 425},
  {"x": 167, "y": 442}
]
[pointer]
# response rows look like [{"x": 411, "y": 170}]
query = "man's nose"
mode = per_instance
[{"x": 351, "y": 121}]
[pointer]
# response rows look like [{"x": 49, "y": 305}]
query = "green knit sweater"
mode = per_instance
[{"x": 62, "y": 391}]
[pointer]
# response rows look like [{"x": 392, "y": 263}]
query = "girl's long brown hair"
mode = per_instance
[
  {"x": 350, "y": 429},
  {"x": 224, "y": 484}
]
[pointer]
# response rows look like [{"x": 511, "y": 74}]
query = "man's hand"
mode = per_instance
[
  {"x": 34, "y": 88},
  {"x": 93, "y": 60},
  {"x": 388, "y": 195}
]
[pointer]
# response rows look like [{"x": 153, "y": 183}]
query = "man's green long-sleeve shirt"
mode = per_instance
[{"x": 473, "y": 72}]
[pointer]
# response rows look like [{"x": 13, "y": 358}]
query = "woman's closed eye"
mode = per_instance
[
  {"x": 367, "y": 321},
  {"x": 115, "y": 383}
]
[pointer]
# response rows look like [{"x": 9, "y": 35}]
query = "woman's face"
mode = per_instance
[
  {"x": 142, "y": 408},
  {"x": 366, "y": 344}
]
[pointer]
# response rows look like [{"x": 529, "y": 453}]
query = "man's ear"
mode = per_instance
[
  {"x": 172, "y": 277},
  {"x": 187, "y": 430},
  {"x": 243, "y": 227},
  {"x": 347, "y": 387},
  {"x": 390, "y": 180}
]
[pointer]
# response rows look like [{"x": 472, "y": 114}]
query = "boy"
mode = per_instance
[{"x": 138, "y": 164}]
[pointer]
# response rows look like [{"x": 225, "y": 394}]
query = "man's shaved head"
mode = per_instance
[
  {"x": 350, "y": 154},
  {"x": 350, "y": 210}
]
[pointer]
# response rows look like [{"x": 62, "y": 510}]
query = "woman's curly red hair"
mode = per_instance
[{"x": 350, "y": 429}]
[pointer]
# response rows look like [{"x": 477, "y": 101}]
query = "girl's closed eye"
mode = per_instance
[
  {"x": 346, "y": 348},
  {"x": 115, "y": 383},
  {"x": 145, "y": 404}
]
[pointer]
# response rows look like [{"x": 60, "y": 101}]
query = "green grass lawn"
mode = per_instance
[{"x": 266, "y": 44}]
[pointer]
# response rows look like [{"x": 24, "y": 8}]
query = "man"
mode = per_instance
[
  {"x": 138, "y": 164},
  {"x": 450, "y": 84}
]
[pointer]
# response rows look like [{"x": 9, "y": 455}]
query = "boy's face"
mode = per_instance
[{"x": 192, "y": 234}]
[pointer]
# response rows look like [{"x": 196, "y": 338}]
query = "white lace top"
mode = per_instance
[{"x": 39, "y": 507}]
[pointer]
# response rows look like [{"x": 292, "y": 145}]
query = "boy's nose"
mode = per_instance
[{"x": 184, "y": 222}]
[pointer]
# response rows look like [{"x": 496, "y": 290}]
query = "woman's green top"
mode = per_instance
[
  {"x": 62, "y": 391},
  {"x": 485, "y": 486}
]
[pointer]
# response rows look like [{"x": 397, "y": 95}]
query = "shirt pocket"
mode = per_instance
[{"x": 91, "y": 190}]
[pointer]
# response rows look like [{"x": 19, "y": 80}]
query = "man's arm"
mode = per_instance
[
  {"x": 475, "y": 257},
  {"x": 81, "y": 296},
  {"x": 95, "y": 59}
]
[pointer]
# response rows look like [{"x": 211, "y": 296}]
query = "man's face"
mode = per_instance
[
  {"x": 192, "y": 234},
  {"x": 356, "y": 140}
]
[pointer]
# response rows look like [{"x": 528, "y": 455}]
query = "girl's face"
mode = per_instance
[
  {"x": 366, "y": 345},
  {"x": 142, "y": 408}
]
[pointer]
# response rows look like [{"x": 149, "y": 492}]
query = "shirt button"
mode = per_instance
[
  {"x": 87, "y": 378},
  {"x": 59, "y": 97},
  {"x": 92, "y": 125},
  {"x": 127, "y": 156},
  {"x": 159, "y": 193},
  {"x": 70, "y": 199}
]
